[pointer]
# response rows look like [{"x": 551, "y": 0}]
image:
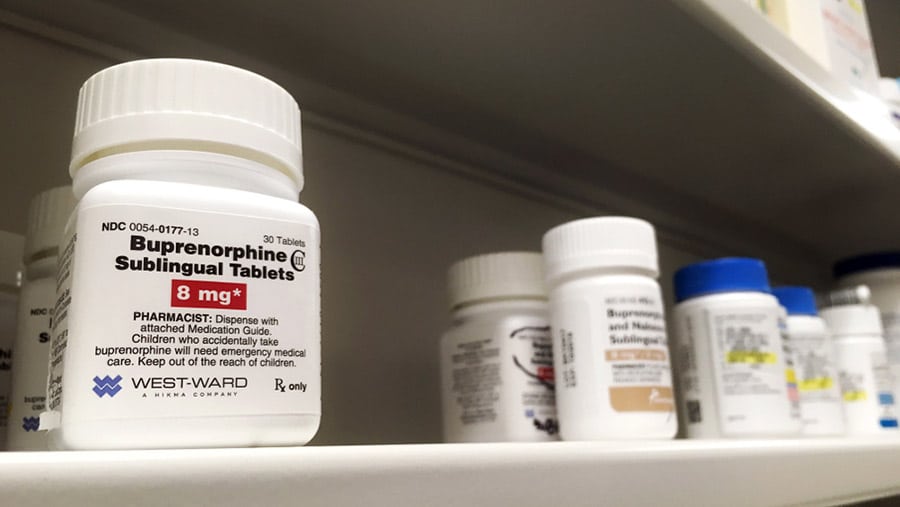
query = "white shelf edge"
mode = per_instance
[
  {"x": 681, "y": 472},
  {"x": 860, "y": 111}
]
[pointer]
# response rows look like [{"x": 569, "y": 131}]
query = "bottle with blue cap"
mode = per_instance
[
  {"x": 880, "y": 273},
  {"x": 860, "y": 355},
  {"x": 732, "y": 364},
  {"x": 814, "y": 363}
]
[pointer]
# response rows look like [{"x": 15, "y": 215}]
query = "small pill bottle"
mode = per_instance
[
  {"x": 730, "y": 351},
  {"x": 821, "y": 408},
  {"x": 865, "y": 378},
  {"x": 610, "y": 349},
  {"x": 496, "y": 359},
  {"x": 11, "y": 246},
  {"x": 187, "y": 310},
  {"x": 47, "y": 216},
  {"x": 880, "y": 273}
]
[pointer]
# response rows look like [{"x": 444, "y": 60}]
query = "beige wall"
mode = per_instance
[{"x": 391, "y": 225}]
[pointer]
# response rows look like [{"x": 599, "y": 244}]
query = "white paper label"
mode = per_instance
[
  {"x": 750, "y": 370},
  {"x": 173, "y": 311}
]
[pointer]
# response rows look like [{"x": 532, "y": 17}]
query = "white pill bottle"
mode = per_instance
[
  {"x": 610, "y": 349},
  {"x": 187, "y": 312},
  {"x": 731, "y": 355},
  {"x": 866, "y": 383},
  {"x": 10, "y": 281},
  {"x": 821, "y": 408},
  {"x": 880, "y": 272},
  {"x": 496, "y": 359},
  {"x": 47, "y": 216}
]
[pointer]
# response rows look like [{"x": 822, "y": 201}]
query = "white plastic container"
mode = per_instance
[
  {"x": 732, "y": 365},
  {"x": 496, "y": 358},
  {"x": 814, "y": 363},
  {"x": 10, "y": 279},
  {"x": 188, "y": 302},
  {"x": 47, "y": 216},
  {"x": 610, "y": 350},
  {"x": 880, "y": 273},
  {"x": 869, "y": 407}
]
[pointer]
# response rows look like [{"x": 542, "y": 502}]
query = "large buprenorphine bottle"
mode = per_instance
[
  {"x": 47, "y": 216},
  {"x": 188, "y": 299}
]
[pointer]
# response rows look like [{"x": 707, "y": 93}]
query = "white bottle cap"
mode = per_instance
[
  {"x": 11, "y": 246},
  {"x": 602, "y": 242},
  {"x": 844, "y": 320},
  {"x": 496, "y": 276},
  {"x": 47, "y": 216},
  {"x": 182, "y": 104}
]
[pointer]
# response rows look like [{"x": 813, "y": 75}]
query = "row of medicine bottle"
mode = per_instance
[
  {"x": 570, "y": 344},
  {"x": 184, "y": 287},
  {"x": 754, "y": 361}
]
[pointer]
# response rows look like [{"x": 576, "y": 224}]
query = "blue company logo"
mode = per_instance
[
  {"x": 31, "y": 423},
  {"x": 107, "y": 385}
]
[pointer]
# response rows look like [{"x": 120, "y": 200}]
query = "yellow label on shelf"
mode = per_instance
[
  {"x": 816, "y": 384},
  {"x": 750, "y": 357},
  {"x": 855, "y": 396}
]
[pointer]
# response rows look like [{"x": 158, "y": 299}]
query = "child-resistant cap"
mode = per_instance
[
  {"x": 496, "y": 276},
  {"x": 846, "y": 320},
  {"x": 796, "y": 300},
  {"x": 601, "y": 242},
  {"x": 11, "y": 246},
  {"x": 728, "y": 274},
  {"x": 47, "y": 216},
  {"x": 182, "y": 104},
  {"x": 867, "y": 262}
]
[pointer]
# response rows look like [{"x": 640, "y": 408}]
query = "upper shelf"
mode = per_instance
[
  {"x": 695, "y": 114},
  {"x": 681, "y": 472}
]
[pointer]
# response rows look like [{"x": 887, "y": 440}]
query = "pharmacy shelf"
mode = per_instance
[
  {"x": 695, "y": 114},
  {"x": 788, "y": 472}
]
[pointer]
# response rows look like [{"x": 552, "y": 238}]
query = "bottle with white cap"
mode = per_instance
[
  {"x": 47, "y": 216},
  {"x": 877, "y": 275},
  {"x": 610, "y": 350},
  {"x": 496, "y": 365},
  {"x": 821, "y": 408},
  {"x": 865, "y": 378},
  {"x": 187, "y": 312},
  {"x": 11, "y": 246},
  {"x": 732, "y": 370}
]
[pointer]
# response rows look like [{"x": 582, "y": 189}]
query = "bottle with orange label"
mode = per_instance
[{"x": 610, "y": 349}]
